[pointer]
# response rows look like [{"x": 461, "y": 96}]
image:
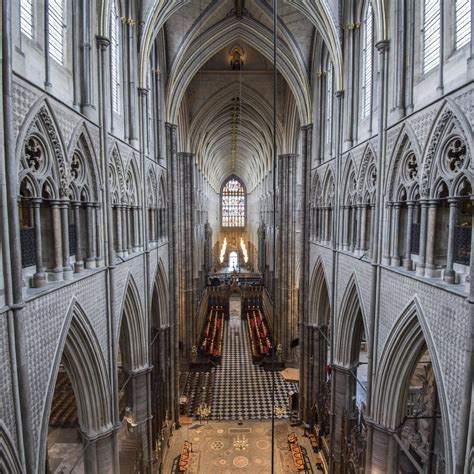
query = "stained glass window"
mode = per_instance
[{"x": 233, "y": 203}]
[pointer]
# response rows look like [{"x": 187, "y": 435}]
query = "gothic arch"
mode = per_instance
[
  {"x": 81, "y": 140},
  {"x": 116, "y": 176},
  {"x": 406, "y": 143},
  {"x": 450, "y": 122},
  {"x": 349, "y": 181},
  {"x": 159, "y": 298},
  {"x": 82, "y": 357},
  {"x": 9, "y": 462},
  {"x": 224, "y": 33},
  {"x": 131, "y": 329},
  {"x": 320, "y": 302},
  {"x": 406, "y": 340},
  {"x": 351, "y": 325},
  {"x": 51, "y": 163}
]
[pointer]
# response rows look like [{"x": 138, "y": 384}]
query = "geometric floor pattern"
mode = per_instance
[{"x": 238, "y": 389}]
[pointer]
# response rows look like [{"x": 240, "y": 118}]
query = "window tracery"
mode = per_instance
[{"x": 233, "y": 203}]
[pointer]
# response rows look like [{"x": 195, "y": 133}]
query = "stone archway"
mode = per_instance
[
  {"x": 409, "y": 407},
  {"x": 160, "y": 358},
  {"x": 80, "y": 358},
  {"x": 349, "y": 383},
  {"x": 133, "y": 382},
  {"x": 317, "y": 354}
]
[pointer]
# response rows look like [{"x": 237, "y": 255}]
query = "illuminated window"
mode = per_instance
[
  {"x": 233, "y": 203},
  {"x": 329, "y": 97},
  {"x": 56, "y": 27},
  {"x": 463, "y": 22},
  {"x": 26, "y": 17},
  {"x": 431, "y": 34},
  {"x": 367, "y": 61},
  {"x": 114, "y": 57}
]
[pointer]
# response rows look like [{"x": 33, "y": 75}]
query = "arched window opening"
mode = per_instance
[
  {"x": 421, "y": 433},
  {"x": 26, "y": 18},
  {"x": 115, "y": 70},
  {"x": 431, "y": 34},
  {"x": 329, "y": 106},
  {"x": 367, "y": 61},
  {"x": 448, "y": 255},
  {"x": 463, "y": 23},
  {"x": 56, "y": 26},
  {"x": 233, "y": 203},
  {"x": 233, "y": 260}
]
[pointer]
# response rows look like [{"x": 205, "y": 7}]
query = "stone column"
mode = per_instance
[
  {"x": 90, "y": 260},
  {"x": 420, "y": 268},
  {"x": 363, "y": 227},
  {"x": 431, "y": 240},
  {"x": 343, "y": 387},
  {"x": 67, "y": 269},
  {"x": 407, "y": 261},
  {"x": 372, "y": 231},
  {"x": 449, "y": 273},
  {"x": 39, "y": 278},
  {"x": 123, "y": 211},
  {"x": 387, "y": 234},
  {"x": 344, "y": 227},
  {"x": 128, "y": 212},
  {"x": 358, "y": 229},
  {"x": 57, "y": 273},
  {"x": 118, "y": 230},
  {"x": 79, "y": 263},
  {"x": 395, "y": 260},
  {"x": 353, "y": 239},
  {"x": 136, "y": 229},
  {"x": 99, "y": 237}
]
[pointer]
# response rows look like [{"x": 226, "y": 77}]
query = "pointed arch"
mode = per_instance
[
  {"x": 80, "y": 352},
  {"x": 351, "y": 325},
  {"x": 224, "y": 33},
  {"x": 131, "y": 329},
  {"x": 350, "y": 182},
  {"x": 450, "y": 122},
  {"x": 159, "y": 298},
  {"x": 81, "y": 140},
  {"x": 406, "y": 142},
  {"x": 409, "y": 335},
  {"x": 320, "y": 301},
  {"x": 9, "y": 462}
]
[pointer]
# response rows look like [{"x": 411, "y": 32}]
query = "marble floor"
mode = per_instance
[
  {"x": 216, "y": 450},
  {"x": 238, "y": 389}
]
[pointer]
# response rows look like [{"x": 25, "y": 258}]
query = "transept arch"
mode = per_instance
[{"x": 80, "y": 353}]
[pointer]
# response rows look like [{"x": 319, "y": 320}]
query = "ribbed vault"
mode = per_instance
[{"x": 211, "y": 137}]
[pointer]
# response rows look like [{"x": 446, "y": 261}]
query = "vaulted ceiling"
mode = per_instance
[{"x": 225, "y": 116}]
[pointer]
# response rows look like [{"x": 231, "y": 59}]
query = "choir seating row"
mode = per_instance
[
  {"x": 213, "y": 334},
  {"x": 259, "y": 333}
]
